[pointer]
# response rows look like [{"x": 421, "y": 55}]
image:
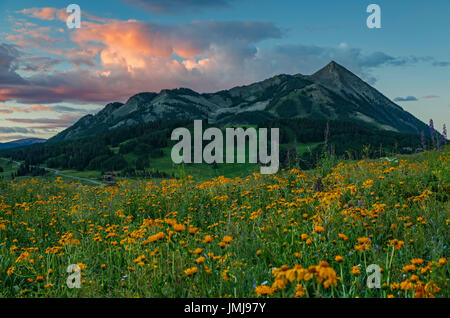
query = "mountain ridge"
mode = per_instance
[
  {"x": 21, "y": 142},
  {"x": 332, "y": 92}
]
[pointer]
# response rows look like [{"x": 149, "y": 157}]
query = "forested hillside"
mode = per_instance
[{"x": 134, "y": 148}]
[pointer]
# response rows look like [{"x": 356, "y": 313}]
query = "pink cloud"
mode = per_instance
[
  {"x": 430, "y": 96},
  {"x": 18, "y": 110},
  {"x": 39, "y": 34},
  {"x": 40, "y": 108},
  {"x": 5, "y": 94},
  {"x": 46, "y": 13},
  {"x": 33, "y": 108},
  {"x": 70, "y": 117},
  {"x": 126, "y": 57},
  {"x": 131, "y": 44}
]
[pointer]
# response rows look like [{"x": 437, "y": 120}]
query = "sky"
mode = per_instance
[{"x": 51, "y": 75}]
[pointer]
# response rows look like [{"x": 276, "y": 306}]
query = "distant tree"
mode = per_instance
[
  {"x": 142, "y": 162},
  {"x": 142, "y": 149},
  {"x": 288, "y": 154},
  {"x": 156, "y": 153},
  {"x": 1, "y": 169},
  {"x": 129, "y": 172},
  {"x": 127, "y": 147},
  {"x": 432, "y": 133},
  {"x": 97, "y": 163},
  {"x": 422, "y": 140},
  {"x": 115, "y": 163},
  {"x": 26, "y": 170}
]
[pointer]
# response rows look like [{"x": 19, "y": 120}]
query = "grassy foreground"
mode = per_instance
[{"x": 284, "y": 235}]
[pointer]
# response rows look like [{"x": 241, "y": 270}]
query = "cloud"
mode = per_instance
[
  {"x": 67, "y": 109},
  {"x": 5, "y": 111},
  {"x": 37, "y": 64},
  {"x": 132, "y": 43},
  {"x": 110, "y": 60},
  {"x": 17, "y": 109},
  {"x": 11, "y": 133},
  {"x": 46, "y": 13},
  {"x": 413, "y": 98},
  {"x": 179, "y": 6},
  {"x": 8, "y": 138},
  {"x": 8, "y": 65},
  {"x": 45, "y": 122},
  {"x": 31, "y": 109},
  {"x": 406, "y": 99},
  {"x": 307, "y": 59},
  {"x": 11, "y": 109},
  {"x": 39, "y": 34},
  {"x": 136, "y": 56},
  {"x": 20, "y": 130},
  {"x": 430, "y": 96},
  {"x": 28, "y": 35},
  {"x": 82, "y": 56},
  {"x": 441, "y": 63},
  {"x": 40, "y": 108},
  {"x": 71, "y": 118}
]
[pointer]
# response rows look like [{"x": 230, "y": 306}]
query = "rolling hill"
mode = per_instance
[{"x": 21, "y": 143}]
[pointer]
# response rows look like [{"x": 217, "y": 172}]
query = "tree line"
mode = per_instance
[{"x": 106, "y": 151}]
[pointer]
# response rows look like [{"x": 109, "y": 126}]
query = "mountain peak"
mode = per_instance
[
  {"x": 333, "y": 92},
  {"x": 336, "y": 77},
  {"x": 332, "y": 64},
  {"x": 340, "y": 80},
  {"x": 331, "y": 68}
]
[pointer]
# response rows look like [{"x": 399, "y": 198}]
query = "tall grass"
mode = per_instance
[{"x": 258, "y": 236}]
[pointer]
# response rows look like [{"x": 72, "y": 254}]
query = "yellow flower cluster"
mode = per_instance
[{"x": 284, "y": 275}]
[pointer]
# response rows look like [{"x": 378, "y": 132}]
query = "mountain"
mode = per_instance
[
  {"x": 21, "y": 143},
  {"x": 332, "y": 93}
]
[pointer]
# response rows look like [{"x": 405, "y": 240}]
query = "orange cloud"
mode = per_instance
[
  {"x": 5, "y": 94},
  {"x": 127, "y": 44},
  {"x": 46, "y": 13},
  {"x": 18, "y": 110},
  {"x": 37, "y": 33},
  {"x": 40, "y": 108},
  {"x": 125, "y": 57},
  {"x": 33, "y": 108}
]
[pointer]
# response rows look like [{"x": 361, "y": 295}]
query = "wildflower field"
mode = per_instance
[{"x": 293, "y": 234}]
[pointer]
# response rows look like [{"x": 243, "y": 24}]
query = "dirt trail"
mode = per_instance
[{"x": 58, "y": 173}]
